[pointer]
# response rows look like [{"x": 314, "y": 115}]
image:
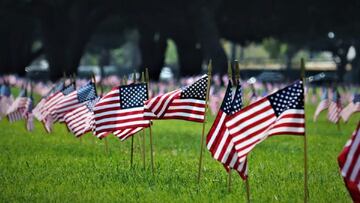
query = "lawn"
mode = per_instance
[{"x": 36, "y": 166}]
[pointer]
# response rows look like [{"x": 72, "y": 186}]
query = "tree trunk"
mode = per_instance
[
  {"x": 190, "y": 57},
  {"x": 203, "y": 18},
  {"x": 153, "y": 48}
]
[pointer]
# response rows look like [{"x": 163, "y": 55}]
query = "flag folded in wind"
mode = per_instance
[
  {"x": 73, "y": 100},
  {"x": 28, "y": 115},
  {"x": 80, "y": 120},
  {"x": 335, "y": 107},
  {"x": 218, "y": 140},
  {"x": 48, "y": 106},
  {"x": 279, "y": 113},
  {"x": 6, "y": 99},
  {"x": 17, "y": 109},
  {"x": 324, "y": 103},
  {"x": 351, "y": 108},
  {"x": 121, "y": 109},
  {"x": 349, "y": 162},
  {"x": 187, "y": 103}
]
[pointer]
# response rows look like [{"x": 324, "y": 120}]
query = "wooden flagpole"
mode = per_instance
[
  {"x": 144, "y": 133},
  {"x": 147, "y": 79},
  {"x": 203, "y": 127},
  {"x": 230, "y": 80},
  {"x": 305, "y": 138},
  {"x": 247, "y": 189}
]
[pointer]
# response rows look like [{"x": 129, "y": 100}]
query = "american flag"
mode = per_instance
[
  {"x": 349, "y": 160},
  {"x": 80, "y": 120},
  {"x": 218, "y": 140},
  {"x": 17, "y": 109},
  {"x": 351, "y": 108},
  {"x": 279, "y": 113},
  {"x": 187, "y": 103},
  {"x": 121, "y": 109},
  {"x": 28, "y": 115},
  {"x": 324, "y": 103},
  {"x": 49, "y": 104},
  {"x": 6, "y": 99},
  {"x": 335, "y": 108},
  {"x": 73, "y": 100}
]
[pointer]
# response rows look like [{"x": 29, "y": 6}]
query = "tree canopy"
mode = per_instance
[{"x": 68, "y": 28}]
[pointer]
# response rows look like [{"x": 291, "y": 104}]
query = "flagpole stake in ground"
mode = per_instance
[
  {"x": 144, "y": 133},
  {"x": 203, "y": 128},
  {"x": 247, "y": 190},
  {"x": 151, "y": 139},
  {"x": 305, "y": 137},
  {"x": 230, "y": 80}
]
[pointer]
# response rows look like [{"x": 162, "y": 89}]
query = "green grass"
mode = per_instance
[{"x": 57, "y": 167}]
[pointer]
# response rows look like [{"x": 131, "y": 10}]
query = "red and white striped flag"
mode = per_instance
[
  {"x": 187, "y": 103},
  {"x": 122, "y": 109},
  {"x": 324, "y": 103},
  {"x": 73, "y": 101},
  {"x": 218, "y": 140},
  {"x": 276, "y": 114},
  {"x": 17, "y": 109},
  {"x": 351, "y": 108},
  {"x": 335, "y": 108},
  {"x": 349, "y": 163},
  {"x": 6, "y": 99},
  {"x": 50, "y": 105},
  {"x": 28, "y": 115},
  {"x": 80, "y": 120}
]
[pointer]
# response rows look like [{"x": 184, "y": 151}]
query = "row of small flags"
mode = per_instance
[
  {"x": 20, "y": 108},
  {"x": 334, "y": 106},
  {"x": 127, "y": 109}
]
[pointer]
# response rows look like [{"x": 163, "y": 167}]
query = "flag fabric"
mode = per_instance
[
  {"x": 51, "y": 103},
  {"x": 349, "y": 160},
  {"x": 80, "y": 120},
  {"x": 187, "y": 103},
  {"x": 324, "y": 103},
  {"x": 28, "y": 115},
  {"x": 218, "y": 140},
  {"x": 52, "y": 99},
  {"x": 6, "y": 99},
  {"x": 279, "y": 113},
  {"x": 351, "y": 108},
  {"x": 335, "y": 107},
  {"x": 38, "y": 111},
  {"x": 73, "y": 100},
  {"x": 121, "y": 109},
  {"x": 17, "y": 109}
]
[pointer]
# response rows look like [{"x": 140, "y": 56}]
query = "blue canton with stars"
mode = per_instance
[
  {"x": 226, "y": 103},
  {"x": 356, "y": 98},
  {"x": 133, "y": 95},
  {"x": 230, "y": 105},
  {"x": 237, "y": 102},
  {"x": 290, "y": 97},
  {"x": 196, "y": 90},
  {"x": 90, "y": 104},
  {"x": 68, "y": 89},
  {"x": 86, "y": 93}
]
